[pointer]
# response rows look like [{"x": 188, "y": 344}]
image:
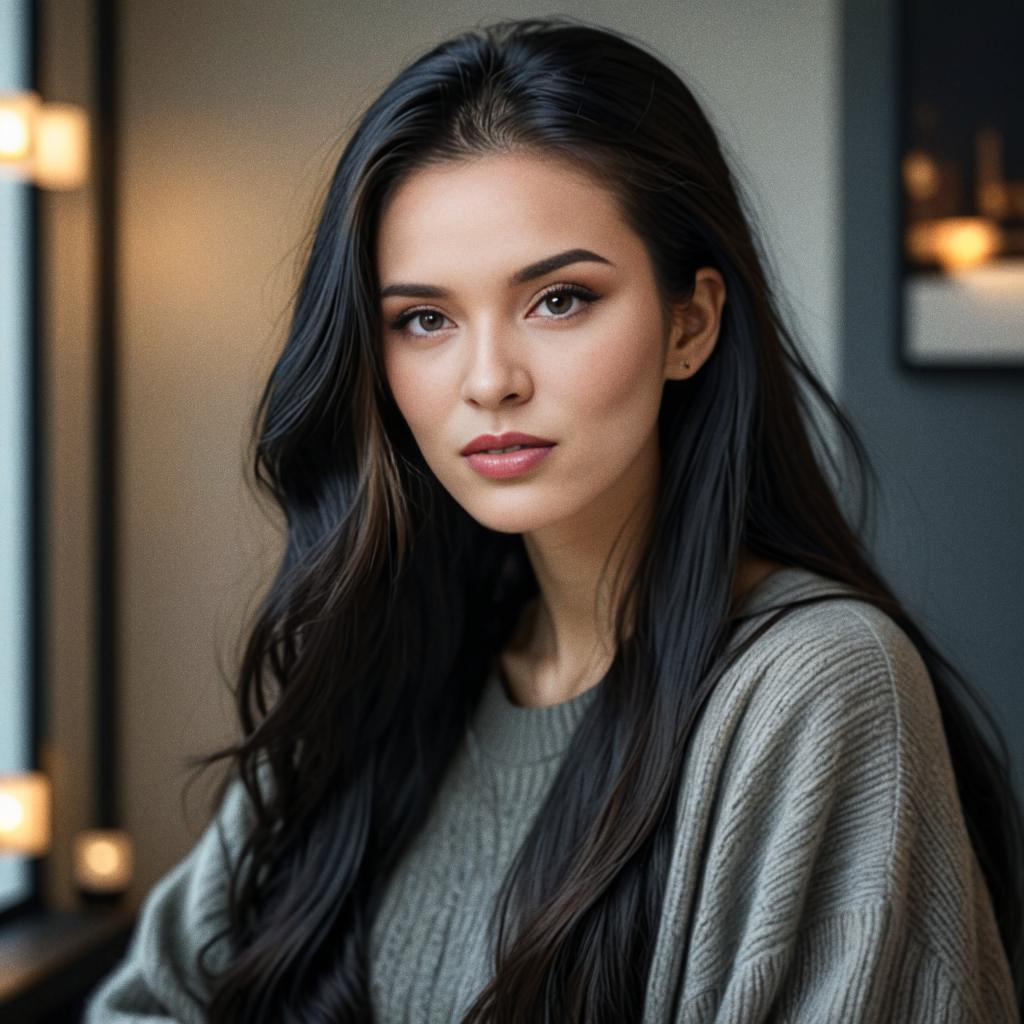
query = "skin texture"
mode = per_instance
[{"x": 494, "y": 356}]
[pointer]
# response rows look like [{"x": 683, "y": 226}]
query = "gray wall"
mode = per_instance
[
  {"x": 232, "y": 119},
  {"x": 949, "y": 445}
]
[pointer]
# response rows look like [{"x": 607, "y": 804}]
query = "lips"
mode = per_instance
[
  {"x": 509, "y": 464},
  {"x": 487, "y": 441}
]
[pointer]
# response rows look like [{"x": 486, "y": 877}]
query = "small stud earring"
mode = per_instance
[{"x": 687, "y": 365}]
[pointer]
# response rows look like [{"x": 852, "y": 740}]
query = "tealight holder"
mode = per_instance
[{"x": 103, "y": 864}]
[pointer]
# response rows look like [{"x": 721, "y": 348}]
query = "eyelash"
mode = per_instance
[{"x": 576, "y": 290}]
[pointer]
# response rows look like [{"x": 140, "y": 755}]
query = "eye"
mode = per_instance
[
  {"x": 423, "y": 316},
  {"x": 560, "y": 297},
  {"x": 557, "y": 300}
]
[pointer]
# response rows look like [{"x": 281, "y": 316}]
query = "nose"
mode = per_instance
[{"x": 495, "y": 370}]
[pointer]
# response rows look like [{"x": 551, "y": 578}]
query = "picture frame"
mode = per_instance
[{"x": 961, "y": 185}]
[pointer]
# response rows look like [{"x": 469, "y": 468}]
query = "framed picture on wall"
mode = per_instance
[{"x": 961, "y": 151}]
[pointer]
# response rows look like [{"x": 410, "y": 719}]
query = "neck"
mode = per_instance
[{"x": 565, "y": 639}]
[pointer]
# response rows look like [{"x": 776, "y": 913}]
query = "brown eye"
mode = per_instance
[
  {"x": 558, "y": 302},
  {"x": 565, "y": 301},
  {"x": 429, "y": 321}
]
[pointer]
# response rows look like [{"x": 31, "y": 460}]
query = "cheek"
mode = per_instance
[
  {"x": 417, "y": 396},
  {"x": 623, "y": 376}
]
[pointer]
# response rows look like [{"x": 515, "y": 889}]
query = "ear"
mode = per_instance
[{"x": 695, "y": 325}]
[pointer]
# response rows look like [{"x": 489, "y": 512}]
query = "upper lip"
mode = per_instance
[{"x": 502, "y": 441}]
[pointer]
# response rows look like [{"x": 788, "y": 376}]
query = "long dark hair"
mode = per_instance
[{"x": 367, "y": 654}]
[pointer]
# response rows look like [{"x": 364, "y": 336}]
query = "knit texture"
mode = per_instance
[{"x": 821, "y": 869}]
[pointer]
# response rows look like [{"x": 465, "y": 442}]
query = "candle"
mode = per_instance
[
  {"x": 25, "y": 813},
  {"x": 103, "y": 860}
]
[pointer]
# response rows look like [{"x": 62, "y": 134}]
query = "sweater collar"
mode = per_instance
[{"x": 512, "y": 734}]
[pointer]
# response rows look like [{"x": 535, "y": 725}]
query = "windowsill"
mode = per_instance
[{"x": 51, "y": 959}]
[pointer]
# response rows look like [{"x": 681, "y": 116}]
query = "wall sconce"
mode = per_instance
[
  {"x": 25, "y": 814},
  {"x": 45, "y": 143},
  {"x": 103, "y": 862}
]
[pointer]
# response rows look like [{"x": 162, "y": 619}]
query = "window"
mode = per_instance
[{"x": 17, "y": 462}]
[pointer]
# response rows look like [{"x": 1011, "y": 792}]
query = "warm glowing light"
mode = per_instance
[
  {"x": 991, "y": 187},
  {"x": 62, "y": 146},
  {"x": 14, "y": 136},
  {"x": 955, "y": 242},
  {"x": 102, "y": 857},
  {"x": 45, "y": 143},
  {"x": 103, "y": 860},
  {"x": 25, "y": 813},
  {"x": 994, "y": 198},
  {"x": 920, "y": 175},
  {"x": 12, "y": 814},
  {"x": 17, "y": 126}
]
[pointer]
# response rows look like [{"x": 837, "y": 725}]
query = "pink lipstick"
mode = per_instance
[{"x": 528, "y": 452}]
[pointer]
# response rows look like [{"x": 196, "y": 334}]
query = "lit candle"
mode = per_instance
[
  {"x": 25, "y": 813},
  {"x": 956, "y": 243},
  {"x": 45, "y": 143},
  {"x": 103, "y": 861},
  {"x": 61, "y": 146},
  {"x": 17, "y": 130}
]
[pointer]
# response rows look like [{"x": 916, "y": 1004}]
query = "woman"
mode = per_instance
[{"x": 620, "y": 725}]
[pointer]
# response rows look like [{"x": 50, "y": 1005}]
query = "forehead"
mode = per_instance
[{"x": 502, "y": 209}]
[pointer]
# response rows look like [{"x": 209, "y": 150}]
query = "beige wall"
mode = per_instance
[{"x": 232, "y": 119}]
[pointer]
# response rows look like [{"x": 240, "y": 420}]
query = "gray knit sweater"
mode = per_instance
[{"x": 821, "y": 869}]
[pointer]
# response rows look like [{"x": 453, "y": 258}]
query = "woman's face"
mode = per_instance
[{"x": 479, "y": 338}]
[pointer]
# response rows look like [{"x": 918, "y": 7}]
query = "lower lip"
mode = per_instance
[{"x": 508, "y": 464}]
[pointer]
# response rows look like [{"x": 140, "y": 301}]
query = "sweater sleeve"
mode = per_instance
[
  {"x": 840, "y": 883},
  {"x": 158, "y": 979}
]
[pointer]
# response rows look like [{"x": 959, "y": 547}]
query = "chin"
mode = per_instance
[{"x": 497, "y": 514}]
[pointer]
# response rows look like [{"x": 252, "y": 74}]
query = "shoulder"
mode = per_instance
[
  {"x": 832, "y": 752},
  {"x": 181, "y": 929},
  {"x": 822, "y": 794},
  {"x": 831, "y": 666},
  {"x": 190, "y": 901}
]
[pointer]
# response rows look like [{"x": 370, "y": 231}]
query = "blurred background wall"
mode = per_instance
[
  {"x": 232, "y": 116},
  {"x": 67, "y": 242},
  {"x": 949, "y": 444}
]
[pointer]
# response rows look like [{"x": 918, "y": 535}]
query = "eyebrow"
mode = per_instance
[{"x": 528, "y": 273}]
